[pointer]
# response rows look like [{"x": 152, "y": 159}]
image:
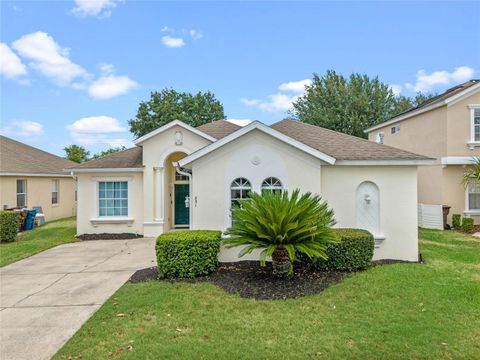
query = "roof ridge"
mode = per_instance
[{"x": 117, "y": 153}]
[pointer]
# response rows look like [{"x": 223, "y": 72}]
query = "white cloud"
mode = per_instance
[
  {"x": 165, "y": 28},
  {"x": 240, "y": 122},
  {"x": 426, "y": 82},
  {"x": 280, "y": 101},
  {"x": 172, "y": 41},
  {"x": 98, "y": 8},
  {"x": 49, "y": 58},
  {"x": 109, "y": 86},
  {"x": 10, "y": 64},
  {"x": 396, "y": 89},
  {"x": 295, "y": 86},
  {"x": 195, "y": 34},
  {"x": 99, "y": 130},
  {"x": 23, "y": 128},
  {"x": 106, "y": 69}
]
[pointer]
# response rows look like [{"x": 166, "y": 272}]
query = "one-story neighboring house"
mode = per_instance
[
  {"x": 30, "y": 177},
  {"x": 183, "y": 177}
]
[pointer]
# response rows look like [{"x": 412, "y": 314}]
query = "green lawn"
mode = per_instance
[
  {"x": 53, "y": 233},
  {"x": 402, "y": 311}
]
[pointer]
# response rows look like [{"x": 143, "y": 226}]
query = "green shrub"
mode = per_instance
[
  {"x": 467, "y": 225},
  {"x": 456, "y": 221},
  {"x": 188, "y": 253},
  {"x": 353, "y": 251},
  {"x": 9, "y": 223}
]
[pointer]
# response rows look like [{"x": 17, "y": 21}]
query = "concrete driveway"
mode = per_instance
[{"x": 44, "y": 299}]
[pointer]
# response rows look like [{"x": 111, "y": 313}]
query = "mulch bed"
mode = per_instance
[
  {"x": 249, "y": 280},
  {"x": 106, "y": 236}
]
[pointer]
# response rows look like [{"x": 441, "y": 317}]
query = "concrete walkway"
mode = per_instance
[{"x": 44, "y": 299}]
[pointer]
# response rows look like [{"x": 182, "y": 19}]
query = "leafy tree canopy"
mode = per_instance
[
  {"x": 349, "y": 105},
  {"x": 76, "y": 153},
  {"x": 108, "y": 152},
  {"x": 169, "y": 104}
]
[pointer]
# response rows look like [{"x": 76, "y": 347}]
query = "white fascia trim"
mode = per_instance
[
  {"x": 106, "y": 170},
  {"x": 33, "y": 175},
  {"x": 449, "y": 101},
  {"x": 267, "y": 130},
  {"x": 169, "y": 126},
  {"x": 457, "y": 160},
  {"x": 384, "y": 162}
]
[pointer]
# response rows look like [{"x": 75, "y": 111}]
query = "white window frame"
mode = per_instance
[
  {"x": 395, "y": 129},
  {"x": 55, "y": 189},
  {"x": 469, "y": 211},
  {"x": 473, "y": 142},
  {"x": 380, "y": 138},
  {"x": 270, "y": 184},
  {"x": 23, "y": 193},
  {"x": 241, "y": 187}
]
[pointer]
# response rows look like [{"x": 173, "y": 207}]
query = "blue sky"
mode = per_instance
[{"x": 75, "y": 71}]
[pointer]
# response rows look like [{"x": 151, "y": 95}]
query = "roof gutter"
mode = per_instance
[{"x": 105, "y": 170}]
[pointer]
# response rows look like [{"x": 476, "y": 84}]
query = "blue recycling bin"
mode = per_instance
[{"x": 30, "y": 219}]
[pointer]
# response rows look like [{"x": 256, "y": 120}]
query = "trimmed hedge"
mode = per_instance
[
  {"x": 352, "y": 252},
  {"x": 9, "y": 223},
  {"x": 188, "y": 253},
  {"x": 456, "y": 221},
  {"x": 467, "y": 225}
]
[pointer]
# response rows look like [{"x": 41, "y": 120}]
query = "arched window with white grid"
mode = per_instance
[
  {"x": 272, "y": 184},
  {"x": 239, "y": 190}
]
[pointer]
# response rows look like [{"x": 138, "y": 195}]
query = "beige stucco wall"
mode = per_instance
[
  {"x": 458, "y": 127},
  {"x": 398, "y": 204},
  {"x": 39, "y": 193},
  {"x": 88, "y": 203},
  {"x": 155, "y": 152}
]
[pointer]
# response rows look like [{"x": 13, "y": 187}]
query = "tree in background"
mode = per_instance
[
  {"x": 168, "y": 105},
  {"x": 108, "y": 152},
  {"x": 404, "y": 103},
  {"x": 349, "y": 105},
  {"x": 76, "y": 153}
]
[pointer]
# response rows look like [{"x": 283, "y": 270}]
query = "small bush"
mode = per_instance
[
  {"x": 188, "y": 253},
  {"x": 9, "y": 223},
  {"x": 456, "y": 221},
  {"x": 467, "y": 225},
  {"x": 353, "y": 251}
]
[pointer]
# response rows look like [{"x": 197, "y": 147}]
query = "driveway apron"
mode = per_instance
[{"x": 46, "y": 298}]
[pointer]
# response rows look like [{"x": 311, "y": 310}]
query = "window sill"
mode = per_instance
[
  {"x": 55, "y": 205},
  {"x": 472, "y": 212},
  {"x": 473, "y": 144},
  {"x": 111, "y": 220}
]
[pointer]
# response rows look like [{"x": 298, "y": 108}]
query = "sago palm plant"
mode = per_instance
[{"x": 282, "y": 225}]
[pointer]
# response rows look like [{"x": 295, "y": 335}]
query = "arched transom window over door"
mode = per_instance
[
  {"x": 239, "y": 190},
  {"x": 272, "y": 184}
]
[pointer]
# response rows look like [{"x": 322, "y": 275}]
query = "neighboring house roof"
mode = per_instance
[
  {"x": 341, "y": 146},
  {"x": 126, "y": 159},
  {"x": 440, "y": 100},
  {"x": 17, "y": 158},
  {"x": 327, "y": 145},
  {"x": 219, "y": 128}
]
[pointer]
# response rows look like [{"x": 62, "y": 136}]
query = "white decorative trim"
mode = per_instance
[
  {"x": 111, "y": 220},
  {"x": 153, "y": 223},
  {"x": 267, "y": 130},
  {"x": 456, "y": 160},
  {"x": 471, "y": 212},
  {"x": 384, "y": 162},
  {"x": 449, "y": 101},
  {"x": 170, "y": 151},
  {"x": 107, "y": 170},
  {"x": 111, "y": 178},
  {"x": 33, "y": 175},
  {"x": 169, "y": 126}
]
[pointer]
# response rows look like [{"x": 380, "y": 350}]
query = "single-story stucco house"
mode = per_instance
[
  {"x": 30, "y": 177},
  {"x": 183, "y": 177}
]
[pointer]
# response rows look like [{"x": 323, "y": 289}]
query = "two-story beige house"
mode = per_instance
[{"x": 446, "y": 127}]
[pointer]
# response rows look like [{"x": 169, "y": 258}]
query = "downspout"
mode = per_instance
[{"x": 181, "y": 172}]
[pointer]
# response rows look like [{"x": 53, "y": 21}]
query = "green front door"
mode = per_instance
[{"x": 182, "y": 191}]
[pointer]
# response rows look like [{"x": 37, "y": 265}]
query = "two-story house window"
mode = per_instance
[
  {"x": 395, "y": 129},
  {"x": 475, "y": 123}
]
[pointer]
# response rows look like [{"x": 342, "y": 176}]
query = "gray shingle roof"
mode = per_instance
[
  {"x": 341, "y": 146},
  {"x": 126, "y": 159},
  {"x": 20, "y": 158}
]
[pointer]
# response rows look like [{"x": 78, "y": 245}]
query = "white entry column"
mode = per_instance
[{"x": 159, "y": 193}]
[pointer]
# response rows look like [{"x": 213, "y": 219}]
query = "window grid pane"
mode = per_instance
[
  {"x": 21, "y": 193},
  {"x": 54, "y": 191},
  {"x": 113, "y": 198}
]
